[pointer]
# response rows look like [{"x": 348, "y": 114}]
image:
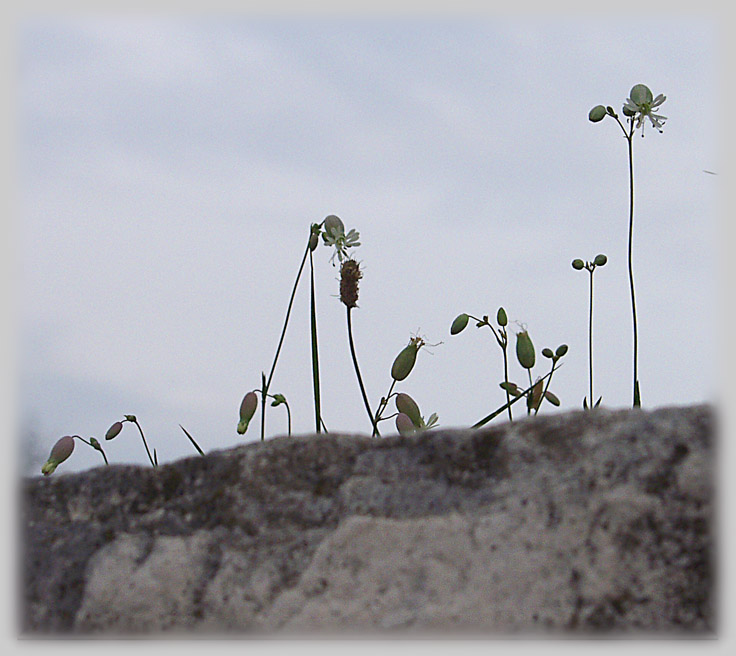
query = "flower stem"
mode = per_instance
[
  {"x": 590, "y": 339},
  {"x": 357, "y": 372},
  {"x": 506, "y": 372},
  {"x": 267, "y": 382},
  {"x": 381, "y": 407},
  {"x": 630, "y": 140},
  {"x": 315, "y": 352},
  {"x": 140, "y": 430}
]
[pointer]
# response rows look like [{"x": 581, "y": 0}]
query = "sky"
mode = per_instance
[{"x": 169, "y": 168}]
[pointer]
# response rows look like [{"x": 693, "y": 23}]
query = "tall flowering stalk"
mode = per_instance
[{"x": 639, "y": 106}]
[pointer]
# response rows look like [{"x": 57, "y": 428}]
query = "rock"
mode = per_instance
[{"x": 579, "y": 523}]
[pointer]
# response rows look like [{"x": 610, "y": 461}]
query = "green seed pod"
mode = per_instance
[
  {"x": 404, "y": 362},
  {"x": 248, "y": 407},
  {"x": 525, "y": 350},
  {"x": 114, "y": 430},
  {"x": 551, "y": 398},
  {"x": 600, "y": 260},
  {"x": 578, "y": 264},
  {"x": 461, "y": 320},
  {"x": 561, "y": 350},
  {"x": 547, "y": 353},
  {"x": 596, "y": 114},
  {"x": 406, "y": 405},
  {"x": 404, "y": 425},
  {"x": 501, "y": 317}
]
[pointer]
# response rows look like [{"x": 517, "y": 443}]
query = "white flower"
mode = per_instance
[
  {"x": 640, "y": 104},
  {"x": 334, "y": 235}
]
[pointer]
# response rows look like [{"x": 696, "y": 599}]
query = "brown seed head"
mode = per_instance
[{"x": 350, "y": 274}]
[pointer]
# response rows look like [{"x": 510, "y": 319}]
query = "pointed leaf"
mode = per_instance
[{"x": 598, "y": 402}]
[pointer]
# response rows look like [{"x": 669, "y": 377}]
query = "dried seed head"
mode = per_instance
[{"x": 350, "y": 274}]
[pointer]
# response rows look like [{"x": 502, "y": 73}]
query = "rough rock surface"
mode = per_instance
[{"x": 576, "y": 523}]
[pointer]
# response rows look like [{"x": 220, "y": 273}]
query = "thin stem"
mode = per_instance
[
  {"x": 140, "y": 430},
  {"x": 382, "y": 406},
  {"x": 497, "y": 412},
  {"x": 315, "y": 352},
  {"x": 357, "y": 372},
  {"x": 590, "y": 339},
  {"x": 506, "y": 372},
  {"x": 629, "y": 138},
  {"x": 531, "y": 387},
  {"x": 546, "y": 387},
  {"x": 267, "y": 382},
  {"x": 96, "y": 448}
]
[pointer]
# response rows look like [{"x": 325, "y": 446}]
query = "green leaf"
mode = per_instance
[
  {"x": 191, "y": 439},
  {"x": 598, "y": 402},
  {"x": 637, "y": 396},
  {"x": 585, "y": 403}
]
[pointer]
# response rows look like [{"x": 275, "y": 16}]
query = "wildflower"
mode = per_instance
[
  {"x": 642, "y": 102},
  {"x": 59, "y": 453},
  {"x": 247, "y": 410},
  {"x": 334, "y": 235}
]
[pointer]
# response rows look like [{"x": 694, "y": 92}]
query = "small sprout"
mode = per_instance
[
  {"x": 547, "y": 353},
  {"x": 114, "y": 430},
  {"x": 511, "y": 388},
  {"x": 278, "y": 399},
  {"x": 59, "y": 453},
  {"x": 407, "y": 406},
  {"x": 404, "y": 424},
  {"x": 247, "y": 410},
  {"x": 459, "y": 324},
  {"x": 600, "y": 260},
  {"x": 561, "y": 350},
  {"x": 525, "y": 350},
  {"x": 501, "y": 317},
  {"x": 578, "y": 264},
  {"x": 596, "y": 114}
]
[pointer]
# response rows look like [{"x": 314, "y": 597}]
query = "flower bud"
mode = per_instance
[
  {"x": 578, "y": 264},
  {"x": 404, "y": 362},
  {"x": 561, "y": 350},
  {"x": 501, "y": 317},
  {"x": 130, "y": 418},
  {"x": 551, "y": 398},
  {"x": 406, "y": 405},
  {"x": 278, "y": 399},
  {"x": 313, "y": 241},
  {"x": 525, "y": 350},
  {"x": 404, "y": 425},
  {"x": 95, "y": 444},
  {"x": 248, "y": 407},
  {"x": 600, "y": 260},
  {"x": 333, "y": 225},
  {"x": 511, "y": 388},
  {"x": 547, "y": 353},
  {"x": 461, "y": 320},
  {"x": 114, "y": 430},
  {"x": 59, "y": 453},
  {"x": 596, "y": 114},
  {"x": 640, "y": 94}
]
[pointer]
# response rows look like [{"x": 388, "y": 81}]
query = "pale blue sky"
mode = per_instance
[{"x": 169, "y": 169}]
